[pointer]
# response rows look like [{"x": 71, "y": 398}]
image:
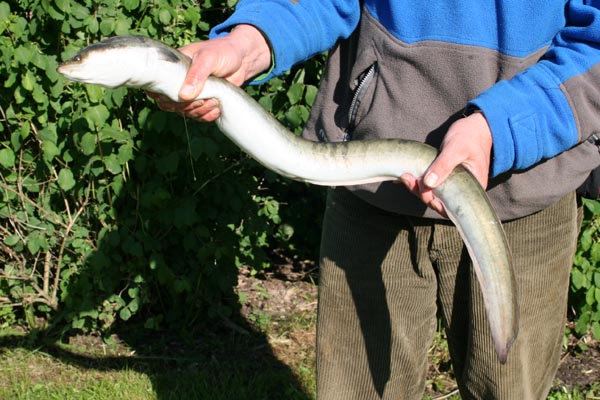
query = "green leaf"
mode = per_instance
[
  {"x": 92, "y": 25},
  {"x": 95, "y": 93},
  {"x": 97, "y": 115},
  {"x": 142, "y": 116},
  {"x": 125, "y": 153},
  {"x": 577, "y": 279},
  {"x": 113, "y": 164},
  {"x": 23, "y": 55},
  {"x": 133, "y": 292},
  {"x": 52, "y": 11},
  {"x": 585, "y": 240},
  {"x": 11, "y": 80},
  {"x": 19, "y": 27},
  {"x": 595, "y": 252},
  {"x": 78, "y": 323},
  {"x": 66, "y": 181},
  {"x": 122, "y": 27},
  {"x": 63, "y": 5},
  {"x": 48, "y": 134},
  {"x": 134, "y": 305},
  {"x": 285, "y": 232},
  {"x": 596, "y": 330},
  {"x": 36, "y": 241},
  {"x": 4, "y": 10},
  {"x": 266, "y": 102},
  {"x": 297, "y": 115},
  {"x": 192, "y": 14},
  {"x": 65, "y": 28},
  {"x": 40, "y": 60},
  {"x": 7, "y": 158},
  {"x": 597, "y": 279},
  {"x": 125, "y": 314},
  {"x": 295, "y": 92},
  {"x": 12, "y": 240},
  {"x": 53, "y": 76},
  {"x": 89, "y": 313},
  {"x": 110, "y": 133},
  {"x": 131, "y": 4},
  {"x": 79, "y": 11},
  {"x": 592, "y": 205},
  {"x": 50, "y": 150},
  {"x": 28, "y": 81},
  {"x": 311, "y": 93},
  {"x": 19, "y": 135},
  {"x": 39, "y": 96},
  {"x": 590, "y": 296},
  {"x": 88, "y": 143},
  {"x": 107, "y": 26},
  {"x": 20, "y": 95},
  {"x": 164, "y": 16}
]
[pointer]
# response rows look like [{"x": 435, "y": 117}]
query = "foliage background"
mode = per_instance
[{"x": 111, "y": 209}]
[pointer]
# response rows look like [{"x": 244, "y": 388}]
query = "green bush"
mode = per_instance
[
  {"x": 585, "y": 276},
  {"x": 111, "y": 208}
]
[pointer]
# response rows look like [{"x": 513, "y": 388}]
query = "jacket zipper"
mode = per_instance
[{"x": 359, "y": 92}]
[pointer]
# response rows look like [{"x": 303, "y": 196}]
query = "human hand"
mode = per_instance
[
  {"x": 467, "y": 142},
  {"x": 237, "y": 57}
]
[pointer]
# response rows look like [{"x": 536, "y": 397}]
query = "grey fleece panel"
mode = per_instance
[
  {"x": 584, "y": 99},
  {"x": 419, "y": 90}
]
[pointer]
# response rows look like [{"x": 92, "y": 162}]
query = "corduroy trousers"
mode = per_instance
[{"x": 385, "y": 278}]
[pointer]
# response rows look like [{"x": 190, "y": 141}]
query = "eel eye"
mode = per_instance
[{"x": 76, "y": 58}]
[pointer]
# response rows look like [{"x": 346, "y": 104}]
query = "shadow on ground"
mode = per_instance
[{"x": 229, "y": 361}]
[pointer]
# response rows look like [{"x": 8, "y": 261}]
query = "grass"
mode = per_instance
[
  {"x": 267, "y": 357},
  {"x": 63, "y": 371},
  {"x": 33, "y": 375},
  {"x": 36, "y": 375}
]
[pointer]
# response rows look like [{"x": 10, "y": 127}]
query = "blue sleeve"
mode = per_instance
[
  {"x": 296, "y": 30},
  {"x": 543, "y": 110}
]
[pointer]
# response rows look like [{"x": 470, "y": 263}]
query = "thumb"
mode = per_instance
[
  {"x": 199, "y": 71},
  {"x": 193, "y": 83},
  {"x": 440, "y": 169}
]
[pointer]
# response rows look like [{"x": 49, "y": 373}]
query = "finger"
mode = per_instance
[
  {"x": 209, "y": 116},
  {"x": 193, "y": 106},
  {"x": 166, "y": 104},
  {"x": 438, "y": 206},
  {"x": 203, "y": 110},
  {"x": 417, "y": 187},
  {"x": 409, "y": 181},
  {"x": 424, "y": 193},
  {"x": 152, "y": 95}
]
